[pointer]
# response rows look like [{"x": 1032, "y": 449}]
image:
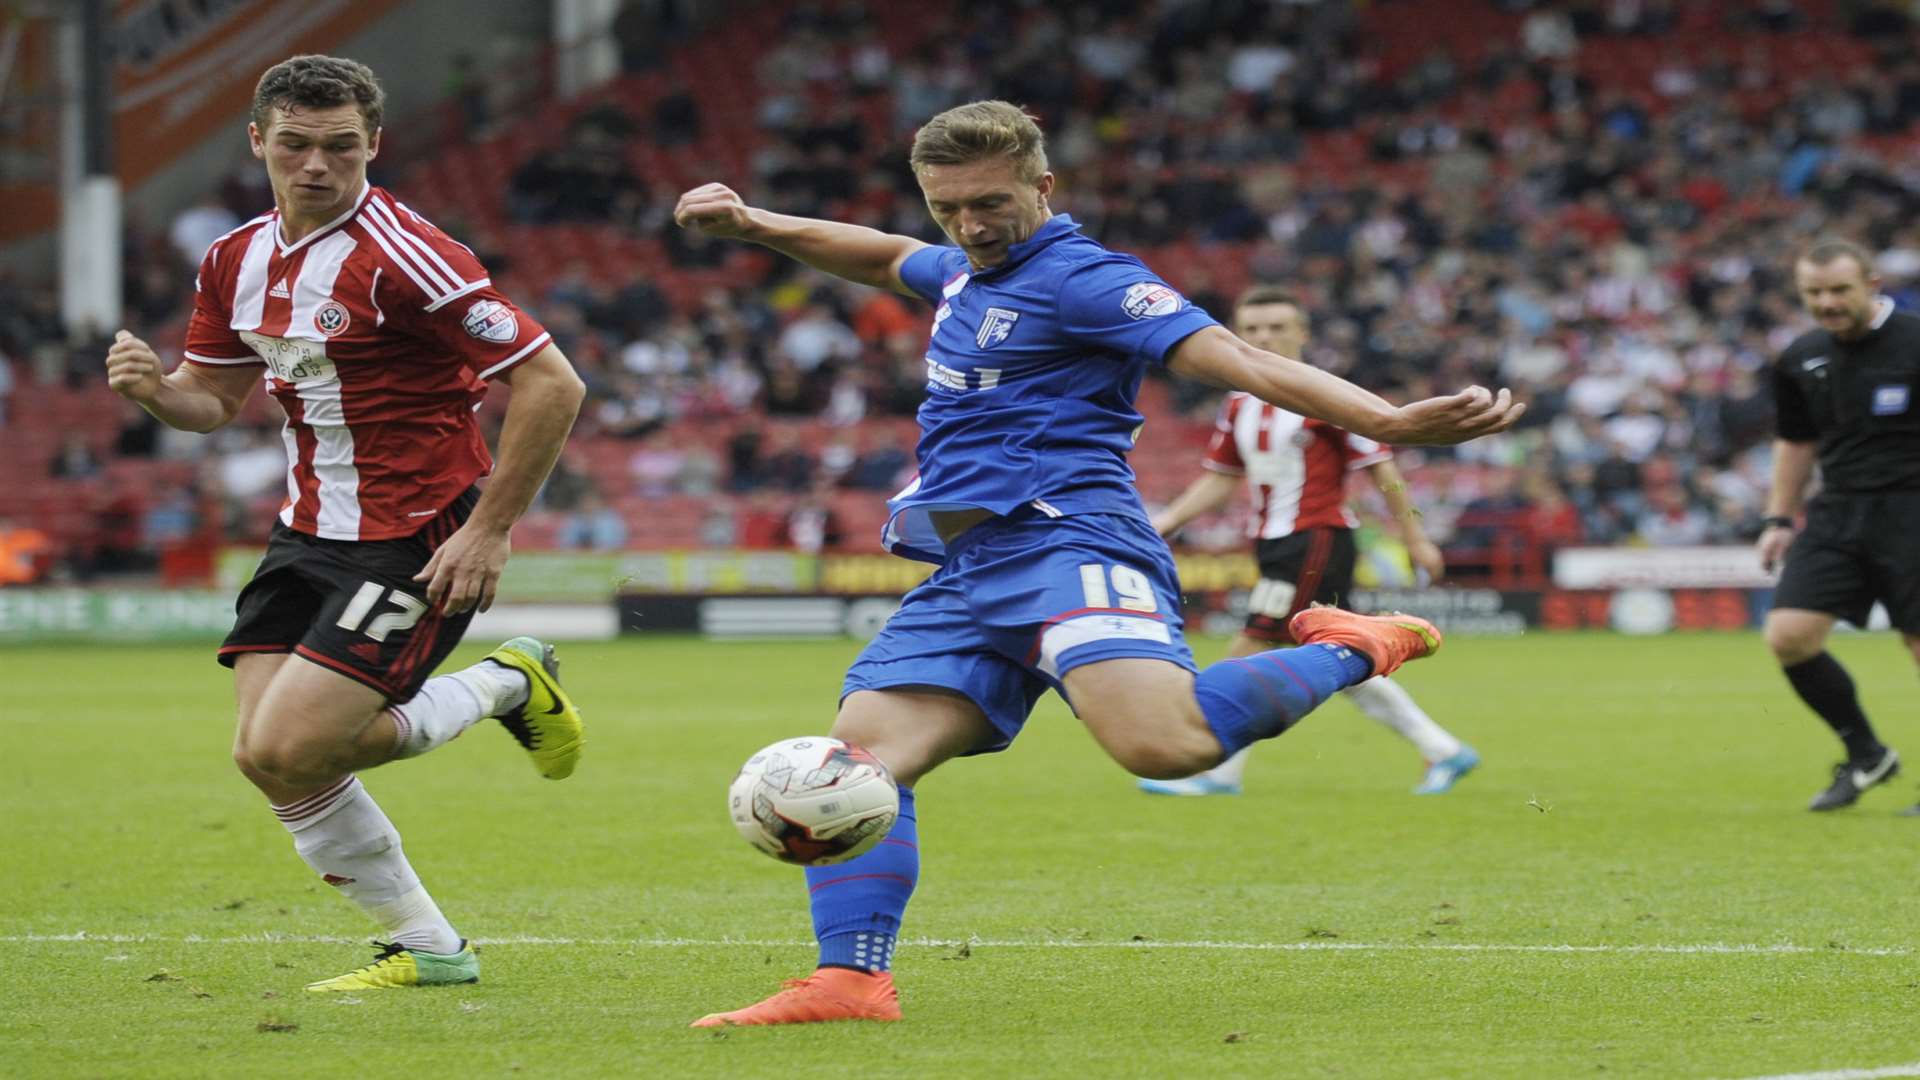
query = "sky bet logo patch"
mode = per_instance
[
  {"x": 995, "y": 327},
  {"x": 1890, "y": 400},
  {"x": 1149, "y": 299},
  {"x": 490, "y": 320}
]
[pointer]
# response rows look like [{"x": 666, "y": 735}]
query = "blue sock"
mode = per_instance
[
  {"x": 1256, "y": 697},
  {"x": 857, "y": 904}
]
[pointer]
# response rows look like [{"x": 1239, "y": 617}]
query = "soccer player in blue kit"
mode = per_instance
[{"x": 1050, "y": 573}]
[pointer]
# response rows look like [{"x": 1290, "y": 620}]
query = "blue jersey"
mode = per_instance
[{"x": 1032, "y": 372}]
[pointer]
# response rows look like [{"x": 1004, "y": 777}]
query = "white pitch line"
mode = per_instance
[
  {"x": 1881, "y": 1073},
  {"x": 1711, "y": 949}
]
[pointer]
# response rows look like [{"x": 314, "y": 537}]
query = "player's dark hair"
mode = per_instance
[
  {"x": 979, "y": 130},
  {"x": 319, "y": 82},
  {"x": 1270, "y": 294},
  {"x": 1822, "y": 252}
]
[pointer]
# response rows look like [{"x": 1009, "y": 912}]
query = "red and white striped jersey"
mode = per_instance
[
  {"x": 376, "y": 334},
  {"x": 1295, "y": 467}
]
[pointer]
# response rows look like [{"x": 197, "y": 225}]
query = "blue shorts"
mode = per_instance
[{"x": 1021, "y": 601}]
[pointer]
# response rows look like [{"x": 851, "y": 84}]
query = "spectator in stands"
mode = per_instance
[
  {"x": 593, "y": 525},
  {"x": 139, "y": 434},
  {"x": 171, "y": 517},
  {"x": 811, "y": 526},
  {"x": 1548, "y": 33},
  {"x": 1498, "y": 511},
  {"x": 1671, "y": 520},
  {"x": 883, "y": 465},
  {"x": 116, "y": 543},
  {"x": 789, "y": 465},
  {"x": 789, "y": 391},
  {"x": 196, "y": 228},
  {"x": 761, "y": 519},
  {"x": 1551, "y": 520},
  {"x": 745, "y": 469},
  {"x": 846, "y": 398},
  {"x": 75, "y": 459},
  {"x": 567, "y": 485},
  {"x": 691, "y": 253},
  {"x": 719, "y": 526},
  {"x": 585, "y": 179},
  {"x": 655, "y": 465},
  {"x": 252, "y": 465},
  {"x": 816, "y": 337}
]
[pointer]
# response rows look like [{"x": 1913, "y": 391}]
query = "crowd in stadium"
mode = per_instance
[{"x": 1593, "y": 203}]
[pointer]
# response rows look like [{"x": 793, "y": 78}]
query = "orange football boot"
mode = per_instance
[
  {"x": 1387, "y": 640},
  {"x": 827, "y": 994}
]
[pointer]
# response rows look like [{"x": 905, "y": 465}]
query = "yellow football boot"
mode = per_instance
[
  {"x": 397, "y": 966},
  {"x": 547, "y": 726}
]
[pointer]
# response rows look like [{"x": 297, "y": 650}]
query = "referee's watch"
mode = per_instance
[{"x": 1777, "y": 521}]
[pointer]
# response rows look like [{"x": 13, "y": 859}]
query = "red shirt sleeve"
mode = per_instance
[
  {"x": 1223, "y": 452},
  {"x": 1363, "y": 452},
  {"x": 210, "y": 336},
  {"x": 441, "y": 292}
]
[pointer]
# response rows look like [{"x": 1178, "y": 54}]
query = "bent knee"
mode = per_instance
[
  {"x": 283, "y": 760},
  {"x": 1792, "y": 646}
]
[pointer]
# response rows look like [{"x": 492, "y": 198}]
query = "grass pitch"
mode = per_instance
[{"x": 1628, "y": 886}]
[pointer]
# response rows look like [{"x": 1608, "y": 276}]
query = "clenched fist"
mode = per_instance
[
  {"x": 133, "y": 369},
  {"x": 716, "y": 210}
]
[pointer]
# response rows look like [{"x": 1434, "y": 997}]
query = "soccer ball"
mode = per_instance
[{"x": 813, "y": 801}]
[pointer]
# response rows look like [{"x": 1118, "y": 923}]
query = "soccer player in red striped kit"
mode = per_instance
[
  {"x": 378, "y": 334},
  {"x": 1296, "y": 468}
]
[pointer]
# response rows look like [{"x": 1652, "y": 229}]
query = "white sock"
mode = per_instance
[
  {"x": 1388, "y": 702},
  {"x": 345, "y": 836},
  {"x": 450, "y": 704},
  {"x": 1231, "y": 770}
]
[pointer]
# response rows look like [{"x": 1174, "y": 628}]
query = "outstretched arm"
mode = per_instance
[
  {"x": 1215, "y": 355},
  {"x": 859, "y": 254},
  {"x": 1209, "y": 491}
]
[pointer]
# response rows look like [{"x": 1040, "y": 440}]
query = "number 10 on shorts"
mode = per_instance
[
  {"x": 1130, "y": 585},
  {"x": 361, "y": 606}
]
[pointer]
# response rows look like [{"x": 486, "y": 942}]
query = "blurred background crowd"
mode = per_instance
[{"x": 1595, "y": 203}]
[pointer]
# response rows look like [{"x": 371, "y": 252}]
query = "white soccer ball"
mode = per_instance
[{"x": 813, "y": 801}]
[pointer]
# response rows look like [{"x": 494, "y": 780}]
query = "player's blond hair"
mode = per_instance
[
  {"x": 980, "y": 130},
  {"x": 313, "y": 81}
]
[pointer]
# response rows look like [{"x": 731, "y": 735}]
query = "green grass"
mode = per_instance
[{"x": 1637, "y": 794}]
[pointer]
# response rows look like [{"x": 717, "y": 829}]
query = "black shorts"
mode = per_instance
[
  {"x": 1856, "y": 549},
  {"x": 1312, "y": 566},
  {"x": 352, "y": 605}
]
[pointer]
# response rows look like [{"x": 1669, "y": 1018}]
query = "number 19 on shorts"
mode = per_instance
[{"x": 1102, "y": 584}]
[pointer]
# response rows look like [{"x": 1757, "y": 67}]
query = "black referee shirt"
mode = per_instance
[{"x": 1858, "y": 400}]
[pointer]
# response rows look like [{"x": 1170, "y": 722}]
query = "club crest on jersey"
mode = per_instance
[
  {"x": 331, "y": 318},
  {"x": 491, "y": 320},
  {"x": 1890, "y": 400},
  {"x": 995, "y": 326},
  {"x": 1150, "y": 299}
]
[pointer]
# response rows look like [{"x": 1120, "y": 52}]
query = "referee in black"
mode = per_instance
[{"x": 1846, "y": 396}]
